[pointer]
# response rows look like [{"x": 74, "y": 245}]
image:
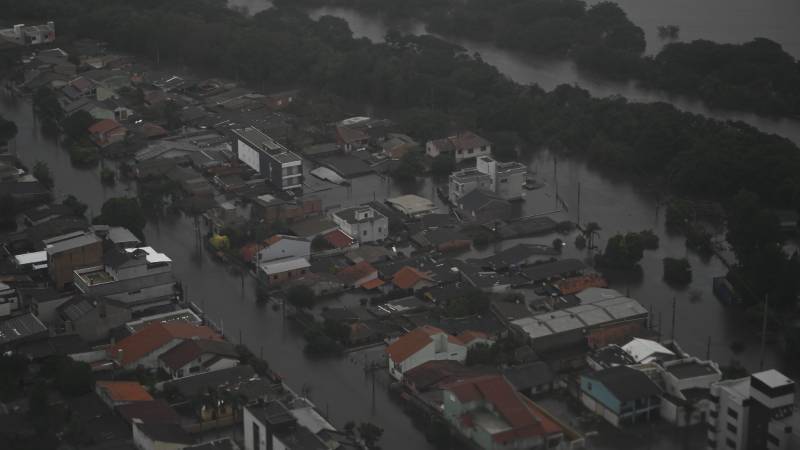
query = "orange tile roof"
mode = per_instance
[
  {"x": 104, "y": 126},
  {"x": 155, "y": 336},
  {"x": 338, "y": 239},
  {"x": 124, "y": 391},
  {"x": 469, "y": 335},
  {"x": 577, "y": 284},
  {"x": 411, "y": 342},
  {"x": 408, "y": 277},
  {"x": 273, "y": 239},
  {"x": 351, "y": 274},
  {"x": 373, "y": 284}
]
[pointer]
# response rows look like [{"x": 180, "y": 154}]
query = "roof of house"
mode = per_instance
[
  {"x": 75, "y": 240},
  {"x": 351, "y": 274},
  {"x": 461, "y": 141},
  {"x": 191, "y": 349},
  {"x": 414, "y": 341},
  {"x": 530, "y": 375},
  {"x": 156, "y": 335},
  {"x": 284, "y": 265},
  {"x": 20, "y": 327},
  {"x": 478, "y": 199},
  {"x": 191, "y": 385},
  {"x": 349, "y": 214},
  {"x": 104, "y": 126},
  {"x": 349, "y": 135},
  {"x": 523, "y": 419},
  {"x": 626, "y": 383},
  {"x": 373, "y": 284},
  {"x": 437, "y": 372},
  {"x": 468, "y": 336},
  {"x": 644, "y": 349},
  {"x": 408, "y": 277},
  {"x": 338, "y": 238},
  {"x": 124, "y": 391},
  {"x": 153, "y": 411}
]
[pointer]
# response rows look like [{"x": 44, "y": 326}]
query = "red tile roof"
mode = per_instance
[
  {"x": 469, "y": 335},
  {"x": 412, "y": 342},
  {"x": 191, "y": 349},
  {"x": 104, "y": 126},
  {"x": 155, "y": 336},
  {"x": 155, "y": 411},
  {"x": 522, "y": 416},
  {"x": 408, "y": 277},
  {"x": 373, "y": 284},
  {"x": 124, "y": 391},
  {"x": 338, "y": 239},
  {"x": 273, "y": 239},
  {"x": 351, "y": 274}
]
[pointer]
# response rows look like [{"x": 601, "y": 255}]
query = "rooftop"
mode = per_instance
[
  {"x": 626, "y": 383},
  {"x": 772, "y": 378},
  {"x": 124, "y": 391},
  {"x": 691, "y": 369},
  {"x": 154, "y": 336},
  {"x": 284, "y": 265},
  {"x": 412, "y": 204},
  {"x": 257, "y": 139},
  {"x": 350, "y": 214},
  {"x": 70, "y": 241},
  {"x": 191, "y": 349},
  {"x": 20, "y": 327}
]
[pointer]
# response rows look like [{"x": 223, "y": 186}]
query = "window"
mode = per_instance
[
  {"x": 589, "y": 386},
  {"x": 730, "y": 443},
  {"x": 274, "y": 277},
  {"x": 733, "y": 413},
  {"x": 256, "y": 436},
  {"x": 380, "y": 229},
  {"x": 732, "y": 428},
  {"x": 364, "y": 232},
  {"x": 773, "y": 440},
  {"x": 504, "y": 180}
]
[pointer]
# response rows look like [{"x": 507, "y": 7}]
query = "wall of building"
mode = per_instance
[
  {"x": 92, "y": 327},
  {"x": 248, "y": 155},
  {"x": 62, "y": 265},
  {"x": 725, "y": 410},
  {"x": 285, "y": 248},
  {"x": 452, "y": 352}
]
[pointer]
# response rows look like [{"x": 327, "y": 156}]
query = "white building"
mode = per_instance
[
  {"x": 507, "y": 178},
  {"x": 756, "y": 412},
  {"x": 9, "y": 300},
  {"x": 464, "y": 181},
  {"x": 282, "y": 168},
  {"x": 364, "y": 223},
  {"x": 412, "y": 205},
  {"x": 686, "y": 384},
  {"x": 30, "y": 35},
  {"x": 274, "y": 426},
  {"x": 462, "y": 146},
  {"x": 421, "y": 345},
  {"x": 283, "y": 246}
]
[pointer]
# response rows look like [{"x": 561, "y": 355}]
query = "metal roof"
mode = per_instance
[
  {"x": 284, "y": 265},
  {"x": 76, "y": 241},
  {"x": 152, "y": 255},
  {"x": 30, "y": 258},
  {"x": 20, "y": 327}
]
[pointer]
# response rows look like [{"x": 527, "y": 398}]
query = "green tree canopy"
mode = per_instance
[{"x": 123, "y": 212}]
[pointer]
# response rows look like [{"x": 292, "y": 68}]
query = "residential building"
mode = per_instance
[
  {"x": 44, "y": 302},
  {"x": 357, "y": 275},
  {"x": 279, "y": 271},
  {"x": 412, "y": 205},
  {"x": 68, "y": 252},
  {"x": 364, "y": 223},
  {"x": 483, "y": 207},
  {"x": 138, "y": 277},
  {"x": 160, "y": 436},
  {"x": 426, "y": 343},
  {"x": 442, "y": 240},
  {"x": 272, "y": 209},
  {"x": 461, "y": 146},
  {"x": 411, "y": 278},
  {"x": 91, "y": 318},
  {"x": 115, "y": 393},
  {"x": 621, "y": 395},
  {"x": 530, "y": 379},
  {"x": 107, "y": 132},
  {"x": 198, "y": 355},
  {"x": 9, "y": 300},
  {"x": 687, "y": 383},
  {"x": 152, "y": 411},
  {"x": 464, "y": 181},
  {"x": 18, "y": 330},
  {"x": 488, "y": 411},
  {"x": 21, "y": 34},
  {"x": 755, "y": 412},
  {"x": 507, "y": 178},
  {"x": 281, "y": 246},
  {"x": 351, "y": 138},
  {"x": 282, "y": 168},
  {"x": 145, "y": 346}
]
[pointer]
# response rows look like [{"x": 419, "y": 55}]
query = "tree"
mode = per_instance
[
  {"x": 108, "y": 176},
  {"x": 409, "y": 167},
  {"x": 622, "y": 252},
  {"x": 41, "y": 171},
  {"x": 123, "y": 212},
  {"x": 74, "y": 378},
  {"x": 77, "y": 125},
  {"x": 481, "y": 354},
  {"x": 443, "y": 165},
  {"x": 370, "y": 434},
  {"x": 8, "y": 130},
  {"x": 472, "y": 301},
  {"x": 300, "y": 296},
  {"x": 319, "y": 243},
  {"x": 558, "y": 244},
  {"x": 580, "y": 242},
  {"x": 38, "y": 406},
  {"x": 649, "y": 239},
  {"x": 677, "y": 271},
  {"x": 8, "y": 211},
  {"x": 78, "y": 208},
  {"x": 336, "y": 330}
]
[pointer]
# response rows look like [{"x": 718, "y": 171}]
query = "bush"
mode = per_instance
[
  {"x": 580, "y": 242},
  {"x": 300, "y": 296},
  {"x": 41, "y": 171},
  {"x": 622, "y": 252},
  {"x": 649, "y": 239},
  {"x": 83, "y": 156},
  {"x": 677, "y": 271}
]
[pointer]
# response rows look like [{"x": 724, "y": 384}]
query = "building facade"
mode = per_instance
[
  {"x": 363, "y": 223},
  {"x": 281, "y": 167},
  {"x": 507, "y": 178},
  {"x": 461, "y": 146},
  {"x": 69, "y": 252}
]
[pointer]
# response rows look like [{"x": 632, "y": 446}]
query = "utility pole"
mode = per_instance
[
  {"x": 579, "y": 203},
  {"x": 555, "y": 178},
  {"x": 674, "y": 306},
  {"x": 764, "y": 331}
]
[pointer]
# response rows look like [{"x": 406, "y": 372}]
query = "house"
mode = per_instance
[
  {"x": 282, "y": 246},
  {"x": 198, "y": 355},
  {"x": 272, "y": 425},
  {"x": 45, "y": 213},
  {"x": 44, "y": 302},
  {"x": 107, "y": 132},
  {"x": 687, "y": 387},
  {"x": 516, "y": 256},
  {"x": 279, "y": 271},
  {"x": 145, "y": 346},
  {"x": 462, "y": 182},
  {"x": 152, "y": 411},
  {"x": 412, "y": 205},
  {"x": 396, "y": 145},
  {"x": 137, "y": 277},
  {"x": 755, "y": 412},
  {"x": 461, "y": 146},
  {"x": 281, "y": 167},
  {"x": 313, "y": 227},
  {"x": 9, "y": 300},
  {"x": 489, "y": 412},
  {"x": 423, "y": 344},
  {"x": 91, "y": 318},
  {"x": 483, "y": 207},
  {"x": 351, "y": 138},
  {"x": 160, "y": 436},
  {"x": 338, "y": 239},
  {"x": 645, "y": 351},
  {"x": 530, "y": 379},
  {"x": 272, "y": 209},
  {"x": 442, "y": 240},
  {"x": 115, "y": 393},
  {"x": 280, "y": 100},
  {"x": 357, "y": 275},
  {"x": 364, "y": 223},
  {"x": 621, "y": 395},
  {"x": 506, "y": 178},
  {"x": 411, "y": 278},
  {"x": 18, "y": 330},
  {"x": 68, "y": 252},
  {"x": 24, "y": 35}
]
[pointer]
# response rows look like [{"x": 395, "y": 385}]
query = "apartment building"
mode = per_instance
[{"x": 281, "y": 167}]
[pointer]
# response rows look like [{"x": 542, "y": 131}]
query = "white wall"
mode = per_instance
[
  {"x": 248, "y": 155},
  {"x": 285, "y": 248},
  {"x": 452, "y": 352}
]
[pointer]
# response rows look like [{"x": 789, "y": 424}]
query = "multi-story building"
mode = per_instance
[
  {"x": 465, "y": 181},
  {"x": 68, "y": 252},
  {"x": 363, "y": 223},
  {"x": 9, "y": 300},
  {"x": 464, "y": 145},
  {"x": 755, "y": 412},
  {"x": 282, "y": 167},
  {"x": 139, "y": 277},
  {"x": 30, "y": 35},
  {"x": 507, "y": 178}
]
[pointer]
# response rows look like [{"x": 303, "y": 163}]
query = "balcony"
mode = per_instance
[{"x": 93, "y": 276}]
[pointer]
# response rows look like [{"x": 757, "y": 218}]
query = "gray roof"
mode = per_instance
[
  {"x": 515, "y": 255},
  {"x": 259, "y": 140},
  {"x": 478, "y": 199},
  {"x": 190, "y": 386},
  {"x": 540, "y": 272},
  {"x": 530, "y": 375},
  {"x": 690, "y": 369},
  {"x": 165, "y": 432},
  {"x": 272, "y": 413},
  {"x": 20, "y": 327},
  {"x": 82, "y": 240},
  {"x": 349, "y": 214},
  {"x": 121, "y": 235},
  {"x": 346, "y": 166}
]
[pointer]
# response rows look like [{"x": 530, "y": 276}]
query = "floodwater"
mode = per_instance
[{"x": 549, "y": 73}]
